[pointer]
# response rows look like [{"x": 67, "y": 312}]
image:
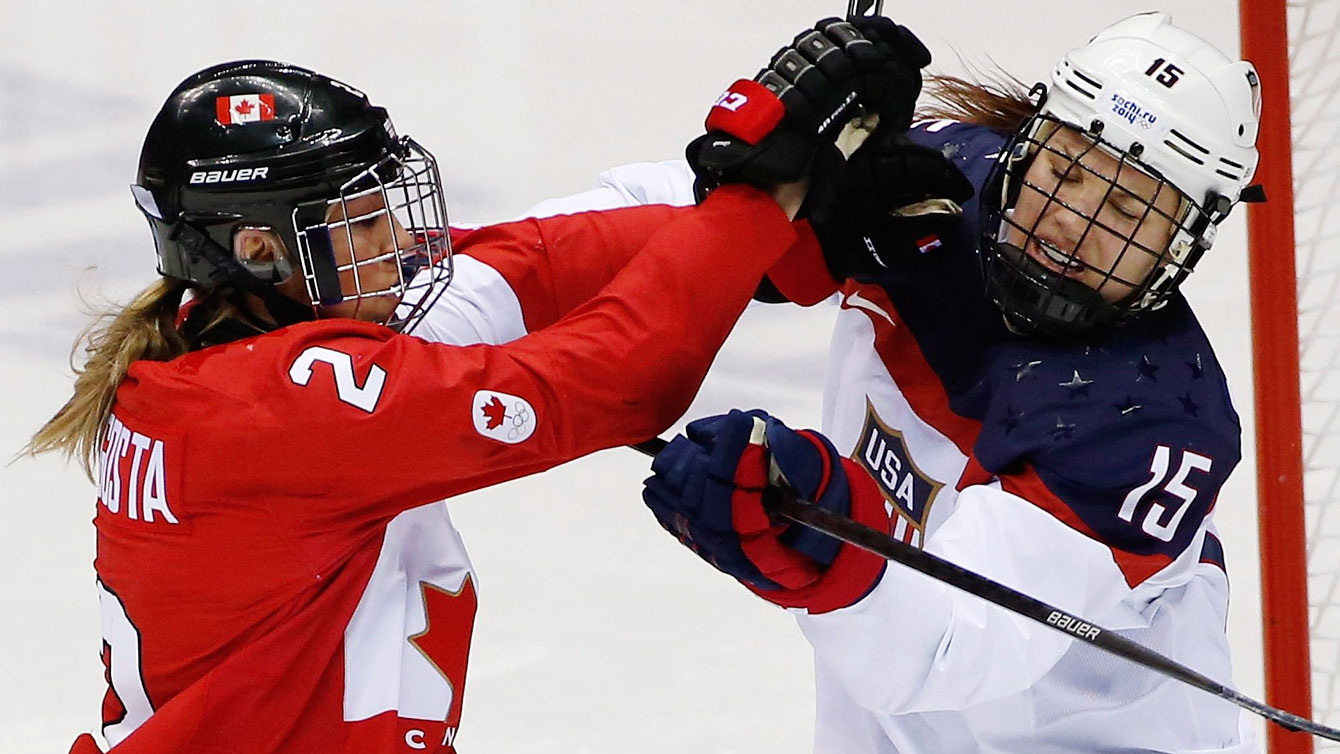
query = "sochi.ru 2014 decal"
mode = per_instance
[
  {"x": 502, "y": 417},
  {"x": 1133, "y": 112},
  {"x": 244, "y": 108}
]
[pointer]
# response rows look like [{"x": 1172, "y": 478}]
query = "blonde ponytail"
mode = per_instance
[{"x": 145, "y": 329}]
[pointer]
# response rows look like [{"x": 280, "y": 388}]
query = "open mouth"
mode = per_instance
[{"x": 1053, "y": 258}]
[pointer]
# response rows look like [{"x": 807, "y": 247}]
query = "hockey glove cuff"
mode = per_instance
[
  {"x": 784, "y": 123},
  {"x": 708, "y": 490}
]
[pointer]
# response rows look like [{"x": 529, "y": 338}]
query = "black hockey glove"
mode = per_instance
[
  {"x": 773, "y": 129},
  {"x": 892, "y": 196},
  {"x": 892, "y": 92}
]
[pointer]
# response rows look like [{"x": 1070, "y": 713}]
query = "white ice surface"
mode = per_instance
[{"x": 596, "y": 632}]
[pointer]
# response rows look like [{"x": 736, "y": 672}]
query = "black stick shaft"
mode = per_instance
[
  {"x": 786, "y": 506},
  {"x": 862, "y": 7}
]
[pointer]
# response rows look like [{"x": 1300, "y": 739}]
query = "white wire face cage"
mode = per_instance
[
  {"x": 1038, "y": 282},
  {"x": 402, "y": 192}
]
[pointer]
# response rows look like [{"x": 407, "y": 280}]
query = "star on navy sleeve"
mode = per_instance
[{"x": 1129, "y": 443}]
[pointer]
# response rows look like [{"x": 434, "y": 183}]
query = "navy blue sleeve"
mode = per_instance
[
  {"x": 972, "y": 149},
  {"x": 1129, "y": 441}
]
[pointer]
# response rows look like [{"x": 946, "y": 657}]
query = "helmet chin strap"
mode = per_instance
[
  {"x": 282, "y": 309},
  {"x": 1038, "y": 301}
]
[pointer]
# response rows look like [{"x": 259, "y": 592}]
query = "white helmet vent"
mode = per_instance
[
  {"x": 1179, "y": 144},
  {"x": 1227, "y": 168},
  {"x": 1235, "y": 171},
  {"x": 1073, "y": 78}
]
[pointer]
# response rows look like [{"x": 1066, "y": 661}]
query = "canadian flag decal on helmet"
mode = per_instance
[
  {"x": 244, "y": 108},
  {"x": 502, "y": 417}
]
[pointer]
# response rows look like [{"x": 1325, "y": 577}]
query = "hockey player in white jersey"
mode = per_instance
[{"x": 1020, "y": 389}]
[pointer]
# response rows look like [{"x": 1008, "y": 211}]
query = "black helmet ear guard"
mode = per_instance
[{"x": 262, "y": 144}]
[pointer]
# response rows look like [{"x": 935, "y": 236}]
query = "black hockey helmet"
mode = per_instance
[{"x": 257, "y": 143}]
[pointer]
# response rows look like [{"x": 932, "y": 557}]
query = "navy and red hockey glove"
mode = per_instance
[
  {"x": 783, "y": 125},
  {"x": 708, "y": 490}
]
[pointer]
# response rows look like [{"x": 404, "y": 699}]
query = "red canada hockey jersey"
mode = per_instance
[{"x": 275, "y": 573}]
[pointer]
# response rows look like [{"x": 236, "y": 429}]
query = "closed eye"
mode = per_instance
[
  {"x": 1124, "y": 212},
  {"x": 360, "y": 222},
  {"x": 1065, "y": 176}
]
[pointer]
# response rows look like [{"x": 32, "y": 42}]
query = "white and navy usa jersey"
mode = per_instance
[
  {"x": 1078, "y": 428},
  {"x": 1083, "y": 474}
]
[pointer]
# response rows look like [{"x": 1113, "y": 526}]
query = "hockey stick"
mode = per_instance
[
  {"x": 860, "y": 7},
  {"x": 785, "y": 505}
]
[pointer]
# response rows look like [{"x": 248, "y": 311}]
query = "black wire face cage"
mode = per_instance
[
  {"x": 1091, "y": 238},
  {"x": 403, "y": 193}
]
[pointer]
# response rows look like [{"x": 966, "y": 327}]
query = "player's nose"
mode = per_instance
[{"x": 1071, "y": 221}]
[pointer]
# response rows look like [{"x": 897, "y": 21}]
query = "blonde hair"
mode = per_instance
[
  {"x": 143, "y": 329},
  {"x": 994, "y": 99}
]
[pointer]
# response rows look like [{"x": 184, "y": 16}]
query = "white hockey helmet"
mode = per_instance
[
  {"x": 1192, "y": 109},
  {"x": 1154, "y": 97}
]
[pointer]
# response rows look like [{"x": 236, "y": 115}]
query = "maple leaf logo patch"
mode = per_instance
[
  {"x": 494, "y": 413},
  {"x": 499, "y": 416}
]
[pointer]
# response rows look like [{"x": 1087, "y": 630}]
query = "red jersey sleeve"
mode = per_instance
[
  {"x": 801, "y": 275},
  {"x": 555, "y": 264},
  {"x": 354, "y": 419}
]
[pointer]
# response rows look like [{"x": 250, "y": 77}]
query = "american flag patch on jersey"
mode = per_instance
[{"x": 928, "y": 243}]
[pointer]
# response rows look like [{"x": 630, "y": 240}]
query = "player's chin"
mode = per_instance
[
  {"x": 377, "y": 309},
  {"x": 1112, "y": 291}
]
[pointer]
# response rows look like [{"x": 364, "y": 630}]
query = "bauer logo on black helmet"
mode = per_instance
[{"x": 238, "y": 175}]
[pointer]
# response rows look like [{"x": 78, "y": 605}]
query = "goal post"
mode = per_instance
[{"x": 1294, "y": 241}]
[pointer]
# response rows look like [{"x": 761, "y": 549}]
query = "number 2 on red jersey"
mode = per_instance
[
  {"x": 363, "y": 396},
  {"x": 126, "y": 705}
]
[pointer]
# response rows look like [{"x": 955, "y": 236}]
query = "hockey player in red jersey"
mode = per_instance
[{"x": 276, "y": 568}]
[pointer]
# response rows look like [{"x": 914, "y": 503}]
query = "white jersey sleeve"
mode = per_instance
[
  {"x": 669, "y": 182},
  {"x": 940, "y": 670},
  {"x": 953, "y": 649},
  {"x": 481, "y": 307},
  {"x": 478, "y": 307}
]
